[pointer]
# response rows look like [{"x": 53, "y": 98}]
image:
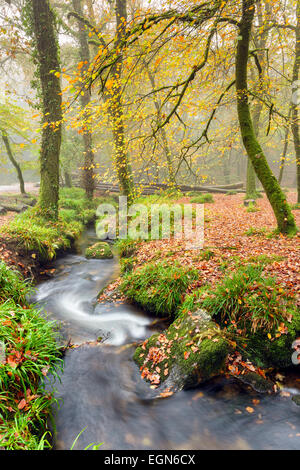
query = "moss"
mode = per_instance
[
  {"x": 273, "y": 352},
  {"x": 158, "y": 287},
  {"x": 256, "y": 381},
  {"x": 192, "y": 350},
  {"x": 100, "y": 250}
]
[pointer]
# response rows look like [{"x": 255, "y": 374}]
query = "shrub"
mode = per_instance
[
  {"x": 31, "y": 352},
  {"x": 246, "y": 297},
  {"x": 126, "y": 247},
  {"x": 35, "y": 233},
  {"x": 127, "y": 265},
  {"x": 158, "y": 288},
  {"x": 12, "y": 285}
]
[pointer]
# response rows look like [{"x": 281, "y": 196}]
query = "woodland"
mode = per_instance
[{"x": 144, "y": 342}]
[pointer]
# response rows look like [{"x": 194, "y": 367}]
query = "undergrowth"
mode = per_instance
[{"x": 28, "y": 353}]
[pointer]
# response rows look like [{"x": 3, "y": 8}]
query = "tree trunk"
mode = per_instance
[
  {"x": 47, "y": 60},
  {"x": 295, "y": 104},
  {"x": 285, "y": 149},
  {"x": 285, "y": 220},
  {"x": 116, "y": 109},
  {"x": 84, "y": 53},
  {"x": 13, "y": 161},
  {"x": 68, "y": 179},
  {"x": 260, "y": 44}
]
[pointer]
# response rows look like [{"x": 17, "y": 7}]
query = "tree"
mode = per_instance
[
  {"x": 285, "y": 220},
  {"x": 260, "y": 43},
  {"x": 41, "y": 23},
  {"x": 14, "y": 123},
  {"x": 13, "y": 160},
  {"x": 84, "y": 53},
  {"x": 115, "y": 105},
  {"x": 212, "y": 15}
]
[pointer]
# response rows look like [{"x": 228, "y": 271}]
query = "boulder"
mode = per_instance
[{"x": 191, "y": 351}]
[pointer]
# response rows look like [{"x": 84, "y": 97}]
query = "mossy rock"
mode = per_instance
[
  {"x": 266, "y": 352},
  {"x": 256, "y": 382},
  {"x": 191, "y": 351},
  {"x": 100, "y": 250},
  {"x": 296, "y": 399}
]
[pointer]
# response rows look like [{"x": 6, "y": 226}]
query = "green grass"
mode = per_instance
[
  {"x": 231, "y": 193},
  {"x": 30, "y": 353},
  {"x": 12, "y": 285},
  {"x": 256, "y": 232},
  {"x": 35, "y": 233},
  {"x": 158, "y": 287},
  {"x": 252, "y": 208},
  {"x": 202, "y": 199},
  {"x": 248, "y": 296},
  {"x": 126, "y": 247}
]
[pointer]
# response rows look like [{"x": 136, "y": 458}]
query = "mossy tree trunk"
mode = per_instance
[
  {"x": 285, "y": 149},
  {"x": 13, "y": 160},
  {"x": 284, "y": 217},
  {"x": 47, "y": 60},
  {"x": 84, "y": 53},
  {"x": 295, "y": 104},
  {"x": 260, "y": 43},
  {"x": 116, "y": 109}
]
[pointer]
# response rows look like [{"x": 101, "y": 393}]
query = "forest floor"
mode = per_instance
[{"x": 231, "y": 235}]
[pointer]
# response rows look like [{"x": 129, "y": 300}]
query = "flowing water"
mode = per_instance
[{"x": 101, "y": 389}]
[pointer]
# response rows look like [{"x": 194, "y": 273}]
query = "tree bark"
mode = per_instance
[
  {"x": 285, "y": 149},
  {"x": 295, "y": 104},
  {"x": 116, "y": 109},
  {"x": 88, "y": 176},
  {"x": 47, "y": 60},
  {"x": 285, "y": 220},
  {"x": 260, "y": 44},
  {"x": 13, "y": 161}
]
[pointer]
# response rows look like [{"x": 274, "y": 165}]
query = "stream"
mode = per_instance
[{"x": 101, "y": 389}]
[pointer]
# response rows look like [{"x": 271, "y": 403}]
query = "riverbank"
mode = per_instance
[
  {"x": 30, "y": 349},
  {"x": 246, "y": 277}
]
